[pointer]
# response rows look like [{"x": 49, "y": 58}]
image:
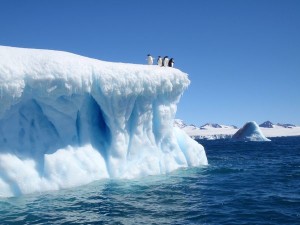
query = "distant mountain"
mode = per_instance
[
  {"x": 267, "y": 124},
  {"x": 179, "y": 123},
  {"x": 215, "y": 125},
  {"x": 191, "y": 127},
  {"x": 286, "y": 125},
  {"x": 213, "y": 131},
  {"x": 210, "y": 125}
]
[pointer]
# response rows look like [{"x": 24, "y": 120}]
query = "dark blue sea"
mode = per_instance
[{"x": 245, "y": 183}]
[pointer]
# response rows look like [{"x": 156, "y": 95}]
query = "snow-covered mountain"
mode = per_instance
[
  {"x": 179, "y": 123},
  {"x": 216, "y": 131},
  {"x": 210, "y": 125},
  {"x": 215, "y": 125},
  {"x": 207, "y": 131},
  {"x": 286, "y": 125},
  {"x": 267, "y": 124},
  {"x": 67, "y": 120},
  {"x": 280, "y": 129},
  {"x": 182, "y": 125}
]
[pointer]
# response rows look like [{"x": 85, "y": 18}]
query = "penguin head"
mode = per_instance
[{"x": 148, "y": 55}]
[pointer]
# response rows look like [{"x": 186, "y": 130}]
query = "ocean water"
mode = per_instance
[{"x": 245, "y": 183}]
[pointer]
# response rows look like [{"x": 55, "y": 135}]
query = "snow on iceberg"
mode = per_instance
[
  {"x": 250, "y": 132},
  {"x": 67, "y": 120}
]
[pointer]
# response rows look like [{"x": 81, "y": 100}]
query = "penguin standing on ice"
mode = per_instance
[
  {"x": 171, "y": 62},
  {"x": 165, "y": 61},
  {"x": 150, "y": 59},
  {"x": 159, "y": 61}
]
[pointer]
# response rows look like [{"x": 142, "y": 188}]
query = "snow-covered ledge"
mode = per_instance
[{"x": 67, "y": 120}]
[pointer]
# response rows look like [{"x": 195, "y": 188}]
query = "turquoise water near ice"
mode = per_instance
[{"x": 245, "y": 183}]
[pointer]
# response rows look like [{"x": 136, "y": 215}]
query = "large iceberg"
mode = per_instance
[
  {"x": 67, "y": 120},
  {"x": 249, "y": 132}
]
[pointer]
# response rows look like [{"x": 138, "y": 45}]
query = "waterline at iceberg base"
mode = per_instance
[{"x": 67, "y": 120}]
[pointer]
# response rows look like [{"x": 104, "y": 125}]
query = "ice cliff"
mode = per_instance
[
  {"x": 249, "y": 132},
  {"x": 67, "y": 120}
]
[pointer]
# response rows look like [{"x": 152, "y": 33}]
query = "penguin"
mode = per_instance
[
  {"x": 150, "y": 59},
  {"x": 165, "y": 61},
  {"x": 171, "y": 62},
  {"x": 159, "y": 61}
]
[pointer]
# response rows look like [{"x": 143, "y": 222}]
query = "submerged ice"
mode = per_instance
[{"x": 67, "y": 120}]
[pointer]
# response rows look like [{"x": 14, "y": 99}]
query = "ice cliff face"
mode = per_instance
[
  {"x": 66, "y": 120},
  {"x": 250, "y": 132}
]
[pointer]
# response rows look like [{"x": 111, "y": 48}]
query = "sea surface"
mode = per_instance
[{"x": 245, "y": 183}]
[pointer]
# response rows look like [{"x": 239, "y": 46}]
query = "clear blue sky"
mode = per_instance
[{"x": 242, "y": 56}]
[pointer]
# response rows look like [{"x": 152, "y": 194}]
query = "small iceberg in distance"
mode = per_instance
[{"x": 250, "y": 132}]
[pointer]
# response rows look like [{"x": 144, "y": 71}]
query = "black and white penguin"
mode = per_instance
[
  {"x": 171, "y": 62},
  {"x": 159, "y": 61},
  {"x": 150, "y": 59},
  {"x": 165, "y": 61}
]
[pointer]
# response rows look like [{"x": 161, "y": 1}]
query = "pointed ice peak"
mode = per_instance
[
  {"x": 215, "y": 125},
  {"x": 211, "y": 125},
  {"x": 267, "y": 124},
  {"x": 249, "y": 132},
  {"x": 179, "y": 123}
]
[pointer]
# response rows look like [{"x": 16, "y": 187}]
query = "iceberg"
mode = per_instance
[
  {"x": 249, "y": 132},
  {"x": 67, "y": 120}
]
